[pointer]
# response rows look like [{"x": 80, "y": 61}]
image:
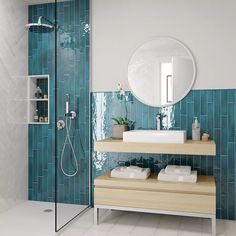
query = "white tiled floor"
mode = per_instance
[
  {"x": 28, "y": 219},
  {"x": 117, "y": 223}
]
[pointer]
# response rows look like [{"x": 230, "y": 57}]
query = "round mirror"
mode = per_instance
[{"x": 161, "y": 72}]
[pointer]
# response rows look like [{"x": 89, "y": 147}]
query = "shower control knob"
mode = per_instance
[
  {"x": 60, "y": 124},
  {"x": 72, "y": 114}
]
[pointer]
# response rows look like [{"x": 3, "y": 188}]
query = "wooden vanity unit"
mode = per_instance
[{"x": 153, "y": 196}]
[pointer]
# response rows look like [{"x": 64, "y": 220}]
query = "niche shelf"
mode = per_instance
[{"x": 41, "y": 104}]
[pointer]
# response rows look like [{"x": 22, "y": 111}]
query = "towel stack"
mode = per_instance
[
  {"x": 130, "y": 172},
  {"x": 178, "y": 174}
]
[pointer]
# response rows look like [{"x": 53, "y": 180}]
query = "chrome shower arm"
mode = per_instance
[{"x": 45, "y": 19}]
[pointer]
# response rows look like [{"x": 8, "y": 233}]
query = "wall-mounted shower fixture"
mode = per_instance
[
  {"x": 60, "y": 124},
  {"x": 41, "y": 27},
  {"x": 67, "y": 40},
  {"x": 67, "y": 104},
  {"x": 68, "y": 140},
  {"x": 68, "y": 113}
]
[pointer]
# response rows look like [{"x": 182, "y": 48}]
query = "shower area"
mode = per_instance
[{"x": 55, "y": 96}]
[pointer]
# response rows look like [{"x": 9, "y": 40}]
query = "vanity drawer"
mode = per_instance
[{"x": 174, "y": 201}]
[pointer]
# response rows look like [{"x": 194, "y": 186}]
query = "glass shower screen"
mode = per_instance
[{"x": 72, "y": 113}]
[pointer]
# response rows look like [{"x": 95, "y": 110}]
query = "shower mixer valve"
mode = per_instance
[
  {"x": 70, "y": 114},
  {"x": 60, "y": 124}
]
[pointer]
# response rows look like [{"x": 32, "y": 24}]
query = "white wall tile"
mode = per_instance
[{"x": 13, "y": 109}]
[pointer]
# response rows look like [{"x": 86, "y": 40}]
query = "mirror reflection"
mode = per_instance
[{"x": 161, "y": 72}]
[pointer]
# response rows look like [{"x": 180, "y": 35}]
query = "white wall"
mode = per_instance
[
  {"x": 13, "y": 127},
  {"x": 207, "y": 27}
]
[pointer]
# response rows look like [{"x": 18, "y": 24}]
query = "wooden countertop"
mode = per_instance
[{"x": 188, "y": 148}]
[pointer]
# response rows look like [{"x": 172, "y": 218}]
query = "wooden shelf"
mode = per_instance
[
  {"x": 188, "y": 148},
  {"x": 38, "y": 99},
  {"x": 204, "y": 185},
  {"x": 38, "y": 123}
]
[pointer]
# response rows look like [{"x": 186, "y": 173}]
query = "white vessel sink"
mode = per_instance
[{"x": 155, "y": 136}]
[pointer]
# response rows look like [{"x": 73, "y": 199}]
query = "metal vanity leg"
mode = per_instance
[
  {"x": 96, "y": 215},
  {"x": 213, "y": 223}
]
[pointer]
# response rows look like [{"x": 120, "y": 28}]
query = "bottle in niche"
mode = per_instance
[
  {"x": 38, "y": 93},
  {"x": 36, "y": 116},
  {"x": 196, "y": 130}
]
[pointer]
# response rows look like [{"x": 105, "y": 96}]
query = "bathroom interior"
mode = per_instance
[{"x": 118, "y": 117}]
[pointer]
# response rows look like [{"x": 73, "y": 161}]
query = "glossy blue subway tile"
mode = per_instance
[
  {"x": 203, "y": 165},
  {"x": 231, "y": 122},
  {"x": 176, "y": 117},
  {"x": 231, "y": 200},
  {"x": 224, "y": 101},
  {"x": 183, "y": 122},
  {"x": 210, "y": 166},
  {"x": 231, "y": 162},
  {"x": 210, "y": 119},
  {"x": 224, "y": 206},
  {"x": 183, "y": 105},
  {"x": 217, "y": 138},
  {"x": 40, "y": 160},
  {"x": 73, "y": 78},
  {"x": 197, "y": 103},
  {"x": 210, "y": 96},
  {"x": 189, "y": 160},
  {"x": 224, "y": 174},
  {"x": 39, "y": 189},
  {"x": 224, "y": 137},
  {"x": 203, "y": 96},
  {"x": 217, "y": 109},
  {"x": 203, "y": 123},
  {"x": 183, "y": 161},
  {"x": 190, "y": 97},
  {"x": 44, "y": 185}
]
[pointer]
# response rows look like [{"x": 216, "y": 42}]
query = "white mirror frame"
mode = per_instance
[{"x": 194, "y": 71}]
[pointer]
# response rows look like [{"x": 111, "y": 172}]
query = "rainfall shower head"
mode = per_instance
[{"x": 41, "y": 27}]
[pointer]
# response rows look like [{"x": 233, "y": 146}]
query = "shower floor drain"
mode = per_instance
[{"x": 48, "y": 210}]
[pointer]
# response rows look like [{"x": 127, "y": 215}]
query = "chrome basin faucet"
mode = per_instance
[{"x": 159, "y": 118}]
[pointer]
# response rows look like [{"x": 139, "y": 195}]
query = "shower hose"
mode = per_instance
[{"x": 68, "y": 139}]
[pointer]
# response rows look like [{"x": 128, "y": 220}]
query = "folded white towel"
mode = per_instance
[
  {"x": 179, "y": 170},
  {"x": 121, "y": 168},
  {"x": 134, "y": 168},
  {"x": 192, "y": 178},
  {"x": 122, "y": 172}
]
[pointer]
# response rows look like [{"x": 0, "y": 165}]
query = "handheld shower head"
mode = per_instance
[
  {"x": 69, "y": 113},
  {"x": 67, "y": 103}
]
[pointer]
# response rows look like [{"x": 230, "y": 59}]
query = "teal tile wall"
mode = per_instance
[
  {"x": 73, "y": 78},
  {"x": 216, "y": 110}
]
